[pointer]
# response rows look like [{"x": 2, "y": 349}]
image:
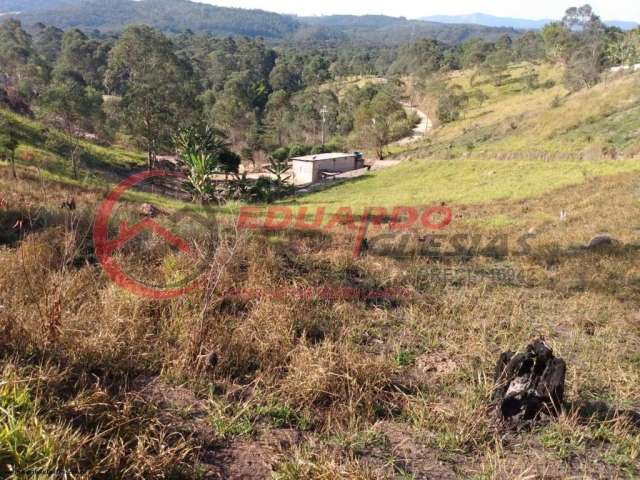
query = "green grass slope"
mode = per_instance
[
  {"x": 522, "y": 142},
  {"x": 47, "y": 151}
]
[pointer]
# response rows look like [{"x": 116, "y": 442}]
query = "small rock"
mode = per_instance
[
  {"x": 528, "y": 384},
  {"x": 601, "y": 241},
  {"x": 148, "y": 210},
  {"x": 69, "y": 204},
  {"x": 211, "y": 360}
]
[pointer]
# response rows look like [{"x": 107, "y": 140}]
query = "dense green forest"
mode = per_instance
[
  {"x": 30, "y": 5},
  {"x": 173, "y": 16},
  {"x": 167, "y": 15}
]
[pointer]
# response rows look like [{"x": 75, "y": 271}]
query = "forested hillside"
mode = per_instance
[
  {"x": 173, "y": 16},
  {"x": 168, "y": 16},
  {"x": 31, "y": 5},
  {"x": 383, "y": 30}
]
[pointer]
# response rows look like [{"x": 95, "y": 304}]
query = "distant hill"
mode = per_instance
[
  {"x": 519, "y": 23},
  {"x": 31, "y": 5},
  {"x": 171, "y": 16},
  {"x": 380, "y": 29},
  {"x": 174, "y": 16}
]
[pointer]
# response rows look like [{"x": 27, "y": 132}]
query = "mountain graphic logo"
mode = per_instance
[{"x": 110, "y": 242}]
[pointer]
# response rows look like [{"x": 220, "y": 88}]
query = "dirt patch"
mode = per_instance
[
  {"x": 240, "y": 461},
  {"x": 409, "y": 455},
  {"x": 438, "y": 362}
]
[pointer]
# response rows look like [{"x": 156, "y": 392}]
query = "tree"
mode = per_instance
[
  {"x": 588, "y": 53},
  {"x": 9, "y": 142},
  {"x": 278, "y": 167},
  {"x": 156, "y": 87},
  {"x": 278, "y": 117},
  {"x": 284, "y": 77},
  {"x": 47, "y": 42},
  {"x": 70, "y": 102},
  {"x": 529, "y": 47},
  {"x": 624, "y": 48},
  {"x": 20, "y": 67},
  {"x": 556, "y": 38},
  {"x": 83, "y": 55},
  {"x": 241, "y": 104},
  {"x": 379, "y": 122},
  {"x": 497, "y": 62},
  {"x": 582, "y": 19},
  {"x": 583, "y": 70},
  {"x": 16, "y": 49},
  {"x": 451, "y": 104}
]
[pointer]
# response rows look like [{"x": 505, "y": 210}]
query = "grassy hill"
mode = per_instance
[
  {"x": 520, "y": 142},
  {"x": 46, "y": 150},
  {"x": 543, "y": 122},
  {"x": 279, "y": 371}
]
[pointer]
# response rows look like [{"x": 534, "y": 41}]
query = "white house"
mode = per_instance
[
  {"x": 313, "y": 168},
  {"x": 622, "y": 68}
]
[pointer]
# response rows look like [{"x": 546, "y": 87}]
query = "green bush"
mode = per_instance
[
  {"x": 297, "y": 150},
  {"x": 281, "y": 153}
]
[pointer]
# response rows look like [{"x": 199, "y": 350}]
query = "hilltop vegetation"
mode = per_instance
[{"x": 176, "y": 16}]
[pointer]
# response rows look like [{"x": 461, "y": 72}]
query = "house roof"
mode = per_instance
[{"x": 323, "y": 156}]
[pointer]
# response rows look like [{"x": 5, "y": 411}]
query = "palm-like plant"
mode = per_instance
[
  {"x": 201, "y": 148},
  {"x": 279, "y": 168}
]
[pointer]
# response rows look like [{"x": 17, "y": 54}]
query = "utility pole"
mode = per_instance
[{"x": 323, "y": 112}]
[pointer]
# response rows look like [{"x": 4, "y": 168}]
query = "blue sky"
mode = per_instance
[{"x": 608, "y": 9}]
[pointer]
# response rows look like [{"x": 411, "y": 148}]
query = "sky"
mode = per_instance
[{"x": 628, "y": 10}]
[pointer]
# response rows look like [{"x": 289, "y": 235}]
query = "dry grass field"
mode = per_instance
[{"x": 290, "y": 364}]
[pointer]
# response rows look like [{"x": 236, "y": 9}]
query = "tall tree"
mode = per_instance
[
  {"x": 557, "y": 38},
  {"x": 70, "y": 102},
  {"x": 380, "y": 122},
  {"x": 47, "y": 42},
  {"x": 9, "y": 142},
  {"x": 157, "y": 90},
  {"x": 83, "y": 55},
  {"x": 588, "y": 52},
  {"x": 19, "y": 64}
]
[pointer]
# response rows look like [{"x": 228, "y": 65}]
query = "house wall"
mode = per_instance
[
  {"x": 303, "y": 172},
  {"x": 309, "y": 172}
]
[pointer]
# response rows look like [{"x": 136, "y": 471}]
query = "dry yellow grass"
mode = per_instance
[
  {"x": 105, "y": 384},
  {"x": 84, "y": 349}
]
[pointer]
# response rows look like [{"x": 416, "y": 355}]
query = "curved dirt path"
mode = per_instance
[{"x": 420, "y": 130}]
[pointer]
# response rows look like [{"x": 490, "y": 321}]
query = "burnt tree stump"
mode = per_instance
[{"x": 528, "y": 384}]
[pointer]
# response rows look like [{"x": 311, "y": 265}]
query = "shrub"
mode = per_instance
[
  {"x": 297, "y": 150},
  {"x": 556, "y": 102},
  {"x": 450, "y": 106},
  {"x": 281, "y": 153}
]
